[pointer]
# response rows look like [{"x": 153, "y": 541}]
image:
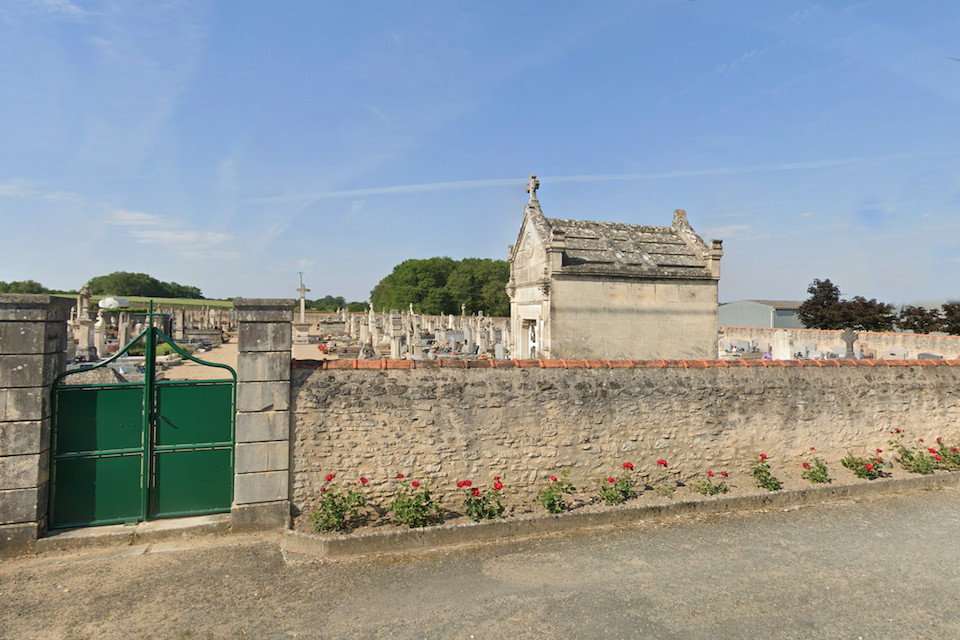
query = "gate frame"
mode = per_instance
[{"x": 149, "y": 419}]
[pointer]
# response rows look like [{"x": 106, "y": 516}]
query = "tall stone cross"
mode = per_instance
[
  {"x": 302, "y": 290},
  {"x": 532, "y": 187}
]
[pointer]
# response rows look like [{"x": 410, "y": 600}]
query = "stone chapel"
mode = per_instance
[{"x": 596, "y": 290}]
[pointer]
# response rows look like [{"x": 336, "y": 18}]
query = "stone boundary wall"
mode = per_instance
[
  {"x": 875, "y": 342},
  {"x": 455, "y": 363},
  {"x": 525, "y": 423}
]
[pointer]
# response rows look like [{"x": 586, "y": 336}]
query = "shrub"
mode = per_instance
[
  {"x": 482, "y": 505},
  {"x": 864, "y": 468},
  {"x": 551, "y": 496},
  {"x": 335, "y": 507},
  {"x": 762, "y": 475},
  {"x": 413, "y": 505},
  {"x": 708, "y": 488},
  {"x": 618, "y": 490},
  {"x": 816, "y": 471},
  {"x": 950, "y": 456},
  {"x": 913, "y": 459}
]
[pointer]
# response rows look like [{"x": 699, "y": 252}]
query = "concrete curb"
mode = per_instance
[
  {"x": 141, "y": 533},
  {"x": 446, "y": 535}
]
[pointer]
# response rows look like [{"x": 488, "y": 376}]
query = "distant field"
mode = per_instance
[{"x": 142, "y": 302}]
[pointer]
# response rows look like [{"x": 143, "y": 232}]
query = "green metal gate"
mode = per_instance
[{"x": 126, "y": 452}]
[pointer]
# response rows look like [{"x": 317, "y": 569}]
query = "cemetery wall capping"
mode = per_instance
[{"x": 524, "y": 420}]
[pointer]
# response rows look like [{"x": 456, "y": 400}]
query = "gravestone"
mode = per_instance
[
  {"x": 849, "y": 337},
  {"x": 782, "y": 346}
]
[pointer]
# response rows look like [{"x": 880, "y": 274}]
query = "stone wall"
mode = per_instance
[
  {"x": 32, "y": 340},
  {"x": 527, "y": 423},
  {"x": 876, "y": 343}
]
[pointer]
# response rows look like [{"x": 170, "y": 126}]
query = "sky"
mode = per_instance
[{"x": 230, "y": 145}]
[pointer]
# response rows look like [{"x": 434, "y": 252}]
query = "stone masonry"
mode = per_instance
[
  {"x": 524, "y": 424},
  {"x": 32, "y": 342},
  {"x": 261, "y": 481}
]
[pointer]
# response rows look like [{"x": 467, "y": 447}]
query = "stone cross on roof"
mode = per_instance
[{"x": 532, "y": 187}]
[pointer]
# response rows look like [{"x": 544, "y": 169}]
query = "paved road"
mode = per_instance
[{"x": 885, "y": 567}]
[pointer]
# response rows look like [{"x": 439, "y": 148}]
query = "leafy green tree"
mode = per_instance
[
  {"x": 23, "y": 286},
  {"x": 822, "y": 309},
  {"x": 412, "y": 282},
  {"x": 919, "y": 319},
  {"x": 123, "y": 283},
  {"x": 951, "y": 318},
  {"x": 327, "y": 303},
  {"x": 442, "y": 285},
  {"x": 480, "y": 284}
]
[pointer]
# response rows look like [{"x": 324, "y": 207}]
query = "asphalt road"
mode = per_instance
[{"x": 886, "y": 567}]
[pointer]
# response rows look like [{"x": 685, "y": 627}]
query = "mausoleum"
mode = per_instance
[{"x": 583, "y": 289}]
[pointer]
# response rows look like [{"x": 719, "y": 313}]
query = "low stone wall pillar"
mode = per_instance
[
  {"x": 33, "y": 338},
  {"x": 262, "y": 471}
]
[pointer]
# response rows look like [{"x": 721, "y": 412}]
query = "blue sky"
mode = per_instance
[{"x": 229, "y": 145}]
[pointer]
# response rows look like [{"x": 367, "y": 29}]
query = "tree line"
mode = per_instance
[{"x": 824, "y": 309}]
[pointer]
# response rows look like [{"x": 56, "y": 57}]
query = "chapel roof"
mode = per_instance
[{"x": 619, "y": 249}]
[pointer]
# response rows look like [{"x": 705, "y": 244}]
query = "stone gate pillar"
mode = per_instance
[
  {"x": 261, "y": 498},
  {"x": 33, "y": 338}
]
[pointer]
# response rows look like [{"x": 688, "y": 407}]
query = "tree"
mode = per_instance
[
  {"x": 867, "y": 315},
  {"x": 951, "y": 318},
  {"x": 920, "y": 320},
  {"x": 825, "y": 310},
  {"x": 23, "y": 286},
  {"x": 123, "y": 283},
  {"x": 442, "y": 285},
  {"x": 822, "y": 309},
  {"x": 327, "y": 303}
]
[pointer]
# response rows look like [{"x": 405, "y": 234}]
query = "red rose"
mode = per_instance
[
  {"x": 723, "y": 473},
  {"x": 496, "y": 478},
  {"x": 414, "y": 484},
  {"x": 878, "y": 461},
  {"x": 497, "y": 486},
  {"x": 661, "y": 462},
  {"x": 939, "y": 459},
  {"x": 879, "y": 450},
  {"x": 553, "y": 478},
  {"x": 931, "y": 450},
  {"x": 954, "y": 449},
  {"x": 763, "y": 456},
  {"x": 322, "y": 489},
  {"x": 921, "y": 439},
  {"x": 814, "y": 448},
  {"x": 468, "y": 483},
  {"x": 476, "y": 492},
  {"x": 460, "y": 485},
  {"x": 627, "y": 465},
  {"x": 330, "y": 477},
  {"x": 710, "y": 473},
  {"x": 399, "y": 475},
  {"x": 806, "y": 464},
  {"x": 939, "y": 439},
  {"x": 869, "y": 467},
  {"x": 610, "y": 480},
  {"x": 364, "y": 481}
]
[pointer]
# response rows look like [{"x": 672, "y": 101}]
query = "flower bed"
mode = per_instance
[{"x": 435, "y": 499}]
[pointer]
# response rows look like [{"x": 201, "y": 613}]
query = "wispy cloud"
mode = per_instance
[
  {"x": 307, "y": 198},
  {"x": 54, "y": 8},
  {"x": 170, "y": 233},
  {"x": 29, "y": 190}
]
